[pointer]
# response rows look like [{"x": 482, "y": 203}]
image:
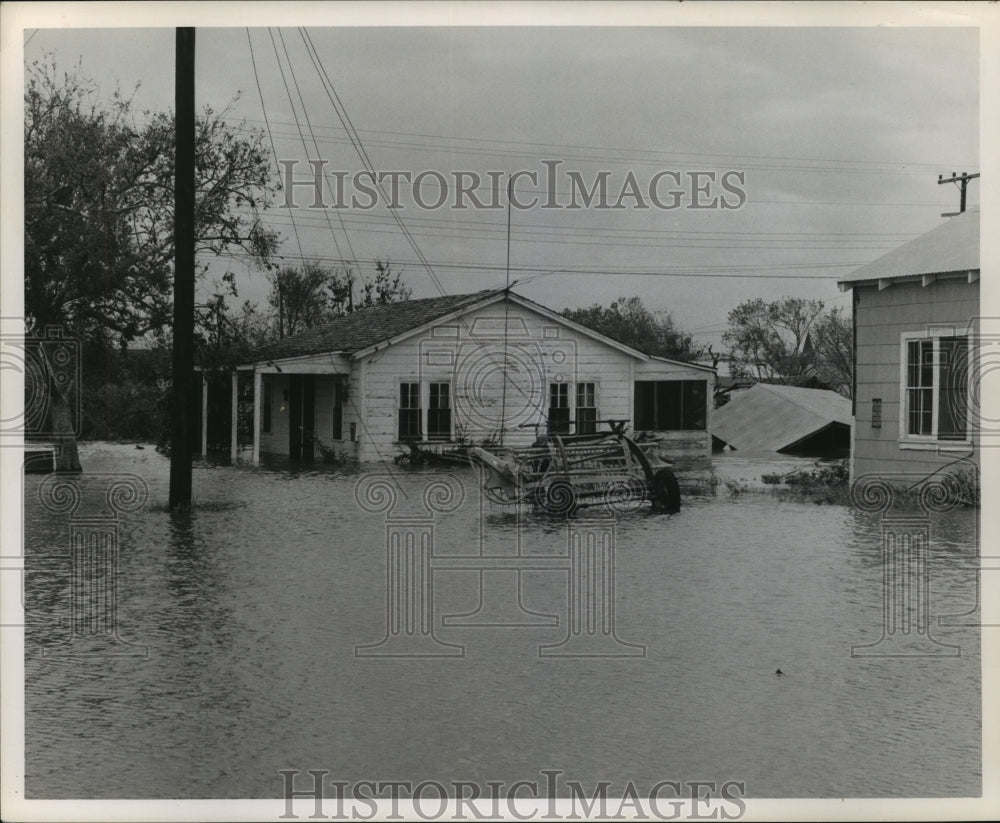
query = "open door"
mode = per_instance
[{"x": 301, "y": 416}]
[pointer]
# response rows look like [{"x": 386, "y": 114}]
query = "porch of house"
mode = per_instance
[{"x": 293, "y": 410}]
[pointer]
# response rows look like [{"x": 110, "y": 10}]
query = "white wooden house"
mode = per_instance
[{"x": 443, "y": 371}]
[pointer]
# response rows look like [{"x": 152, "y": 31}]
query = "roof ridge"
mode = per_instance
[
  {"x": 371, "y": 324},
  {"x": 792, "y": 399}
]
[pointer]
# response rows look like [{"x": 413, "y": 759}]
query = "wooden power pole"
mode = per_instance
[
  {"x": 182, "y": 423},
  {"x": 963, "y": 183}
]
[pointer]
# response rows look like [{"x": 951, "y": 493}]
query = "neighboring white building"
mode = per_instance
[{"x": 440, "y": 372}]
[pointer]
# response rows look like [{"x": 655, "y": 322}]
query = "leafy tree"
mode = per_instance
[
  {"x": 628, "y": 321},
  {"x": 307, "y": 295},
  {"x": 833, "y": 337},
  {"x": 99, "y": 213},
  {"x": 385, "y": 288},
  {"x": 771, "y": 342}
]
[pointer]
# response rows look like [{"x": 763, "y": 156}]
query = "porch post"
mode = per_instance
[
  {"x": 256, "y": 416},
  {"x": 234, "y": 418},
  {"x": 204, "y": 414}
]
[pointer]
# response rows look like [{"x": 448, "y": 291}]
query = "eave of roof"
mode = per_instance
[
  {"x": 401, "y": 321},
  {"x": 948, "y": 250}
]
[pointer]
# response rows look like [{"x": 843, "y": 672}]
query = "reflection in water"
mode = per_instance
[{"x": 252, "y": 606}]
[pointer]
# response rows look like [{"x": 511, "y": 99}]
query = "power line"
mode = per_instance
[
  {"x": 752, "y": 272},
  {"x": 626, "y": 154},
  {"x": 345, "y": 121},
  {"x": 473, "y": 235},
  {"x": 305, "y": 112},
  {"x": 260, "y": 93},
  {"x": 589, "y": 231}
]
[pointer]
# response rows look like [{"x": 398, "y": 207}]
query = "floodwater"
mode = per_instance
[{"x": 250, "y": 609}]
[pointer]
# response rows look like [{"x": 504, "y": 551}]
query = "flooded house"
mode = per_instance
[
  {"x": 768, "y": 419},
  {"x": 916, "y": 317},
  {"x": 438, "y": 373}
]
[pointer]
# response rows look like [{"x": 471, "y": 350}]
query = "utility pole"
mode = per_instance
[
  {"x": 182, "y": 424},
  {"x": 963, "y": 183}
]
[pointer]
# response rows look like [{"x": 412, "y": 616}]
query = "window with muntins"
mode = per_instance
[
  {"x": 558, "y": 408},
  {"x": 439, "y": 412},
  {"x": 936, "y": 388},
  {"x": 586, "y": 408},
  {"x": 409, "y": 411}
]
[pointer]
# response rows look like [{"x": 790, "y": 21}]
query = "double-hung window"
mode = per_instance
[
  {"x": 439, "y": 412},
  {"x": 935, "y": 389},
  {"x": 586, "y": 408},
  {"x": 409, "y": 411},
  {"x": 558, "y": 408}
]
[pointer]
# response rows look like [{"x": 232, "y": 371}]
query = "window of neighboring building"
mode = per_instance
[
  {"x": 265, "y": 404},
  {"x": 558, "y": 408},
  {"x": 586, "y": 408},
  {"x": 935, "y": 388},
  {"x": 671, "y": 405},
  {"x": 338, "y": 409},
  {"x": 439, "y": 412},
  {"x": 409, "y": 411}
]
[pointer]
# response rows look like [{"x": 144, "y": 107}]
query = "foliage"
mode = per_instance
[
  {"x": 306, "y": 296},
  {"x": 628, "y": 321},
  {"x": 126, "y": 394},
  {"x": 968, "y": 491},
  {"x": 768, "y": 341},
  {"x": 821, "y": 475},
  {"x": 99, "y": 213},
  {"x": 833, "y": 338},
  {"x": 99, "y": 206},
  {"x": 385, "y": 288},
  {"x": 791, "y": 341}
]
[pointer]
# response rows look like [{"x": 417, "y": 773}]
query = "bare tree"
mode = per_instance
[
  {"x": 833, "y": 337},
  {"x": 771, "y": 342}
]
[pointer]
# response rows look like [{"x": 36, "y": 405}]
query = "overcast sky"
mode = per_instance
[{"x": 840, "y": 133}]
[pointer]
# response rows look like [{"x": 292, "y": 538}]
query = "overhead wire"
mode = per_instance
[
  {"x": 312, "y": 134},
  {"x": 274, "y": 152}
]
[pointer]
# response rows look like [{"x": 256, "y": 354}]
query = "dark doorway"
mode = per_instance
[
  {"x": 220, "y": 409},
  {"x": 301, "y": 416}
]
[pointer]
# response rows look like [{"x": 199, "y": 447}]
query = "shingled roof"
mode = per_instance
[{"x": 366, "y": 327}]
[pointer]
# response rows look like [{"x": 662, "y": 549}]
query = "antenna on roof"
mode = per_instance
[
  {"x": 963, "y": 183},
  {"x": 506, "y": 315},
  {"x": 510, "y": 186}
]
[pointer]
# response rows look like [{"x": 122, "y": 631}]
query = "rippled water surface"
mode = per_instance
[{"x": 251, "y": 608}]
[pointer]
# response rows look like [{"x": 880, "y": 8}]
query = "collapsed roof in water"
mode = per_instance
[{"x": 768, "y": 418}]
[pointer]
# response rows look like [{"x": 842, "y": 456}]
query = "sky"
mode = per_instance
[{"x": 834, "y": 136}]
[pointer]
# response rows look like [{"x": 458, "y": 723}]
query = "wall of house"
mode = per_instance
[
  {"x": 473, "y": 353},
  {"x": 881, "y": 318},
  {"x": 276, "y": 441}
]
